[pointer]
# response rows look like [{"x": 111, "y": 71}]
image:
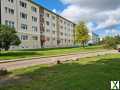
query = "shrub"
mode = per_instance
[
  {"x": 3, "y": 71},
  {"x": 110, "y": 42},
  {"x": 59, "y": 62}
]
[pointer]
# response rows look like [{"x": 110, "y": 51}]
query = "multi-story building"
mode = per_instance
[
  {"x": 94, "y": 38},
  {"x": 36, "y": 26}
]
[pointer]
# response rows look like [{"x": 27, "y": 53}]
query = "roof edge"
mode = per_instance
[{"x": 51, "y": 11}]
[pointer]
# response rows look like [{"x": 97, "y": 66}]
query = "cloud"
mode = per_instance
[
  {"x": 54, "y": 10},
  {"x": 111, "y": 22},
  {"x": 112, "y": 32},
  {"x": 104, "y": 13},
  {"x": 91, "y": 26},
  {"x": 76, "y": 13},
  {"x": 95, "y": 4}
]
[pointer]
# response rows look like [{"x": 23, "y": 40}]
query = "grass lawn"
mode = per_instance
[
  {"x": 44, "y": 52},
  {"x": 93, "y": 73}
]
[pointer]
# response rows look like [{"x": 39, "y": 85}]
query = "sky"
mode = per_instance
[{"x": 101, "y": 16}]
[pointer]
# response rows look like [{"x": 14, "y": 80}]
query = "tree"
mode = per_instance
[
  {"x": 8, "y": 37},
  {"x": 81, "y": 34},
  {"x": 117, "y": 39},
  {"x": 111, "y": 42}
]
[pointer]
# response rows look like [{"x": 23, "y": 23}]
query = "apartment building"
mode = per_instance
[
  {"x": 94, "y": 38},
  {"x": 36, "y": 26}
]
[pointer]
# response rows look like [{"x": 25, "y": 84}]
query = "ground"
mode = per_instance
[
  {"x": 93, "y": 73},
  {"x": 44, "y": 52},
  {"x": 13, "y": 64}
]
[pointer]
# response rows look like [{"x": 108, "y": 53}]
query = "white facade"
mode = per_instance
[
  {"x": 24, "y": 15},
  {"x": 50, "y": 29},
  {"x": 94, "y": 38},
  {"x": 66, "y": 31}
]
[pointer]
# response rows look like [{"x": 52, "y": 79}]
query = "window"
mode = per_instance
[
  {"x": 68, "y": 24},
  {"x": 53, "y": 17},
  {"x": 12, "y": 11},
  {"x": 24, "y": 37},
  {"x": 53, "y": 24},
  {"x": 34, "y": 9},
  {"x": 8, "y": 10},
  {"x": 23, "y": 4},
  {"x": 53, "y": 38},
  {"x": 47, "y": 30},
  {"x": 34, "y": 19},
  {"x": 65, "y": 34},
  {"x": 61, "y": 33},
  {"x": 34, "y": 28},
  {"x": 61, "y": 40},
  {"x": 65, "y": 28},
  {"x": 23, "y": 15},
  {"x": 24, "y": 26},
  {"x": 10, "y": 23},
  {"x": 41, "y": 14},
  {"x": 11, "y": 1},
  {"x": 61, "y": 27},
  {"x": 65, "y": 40},
  {"x": 47, "y": 22},
  {"x": 69, "y": 41},
  {"x": 53, "y": 32},
  {"x": 48, "y": 39},
  {"x": 64, "y": 22},
  {"x": 61, "y": 21},
  {"x": 35, "y": 38},
  {"x": 47, "y": 15},
  {"x": 6, "y": 22}
]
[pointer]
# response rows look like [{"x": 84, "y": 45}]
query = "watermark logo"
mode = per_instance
[{"x": 115, "y": 85}]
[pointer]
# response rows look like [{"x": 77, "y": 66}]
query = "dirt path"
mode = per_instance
[{"x": 52, "y": 60}]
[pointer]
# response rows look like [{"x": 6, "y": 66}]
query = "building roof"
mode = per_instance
[
  {"x": 95, "y": 34},
  {"x": 50, "y": 11}
]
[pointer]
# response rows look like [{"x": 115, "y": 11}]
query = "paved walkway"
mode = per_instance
[{"x": 52, "y": 60}]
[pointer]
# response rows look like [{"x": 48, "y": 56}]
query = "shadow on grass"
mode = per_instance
[{"x": 70, "y": 76}]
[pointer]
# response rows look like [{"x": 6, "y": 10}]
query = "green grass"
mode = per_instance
[
  {"x": 93, "y": 73},
  {"x": 44, "y": 52}
]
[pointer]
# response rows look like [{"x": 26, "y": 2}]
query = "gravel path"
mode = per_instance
[{"x": 52, "y": 60}]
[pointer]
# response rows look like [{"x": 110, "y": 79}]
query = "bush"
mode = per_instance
[
  {"x": 3, "y": 71},
  {"x": 110, "y": 42},
  {"x": 90, "y": 44}
]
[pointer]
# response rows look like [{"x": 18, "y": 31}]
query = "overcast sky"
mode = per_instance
[{"x": 101, "y": 16}]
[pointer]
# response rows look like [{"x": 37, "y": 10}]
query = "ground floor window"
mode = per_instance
[{"x": 24, "y": 37}]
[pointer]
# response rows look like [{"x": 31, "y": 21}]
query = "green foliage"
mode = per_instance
[
  {"x": 8, "y": 37},
  {"x": 117, "y": 38},
  {"x": 81, "y": 33},
  {"x": 111, "y": 42}
]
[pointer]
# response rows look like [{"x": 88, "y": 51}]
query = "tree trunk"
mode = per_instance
[
  {"x": 83, "y": 44},
  {"x": 6, "y": 48}
]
